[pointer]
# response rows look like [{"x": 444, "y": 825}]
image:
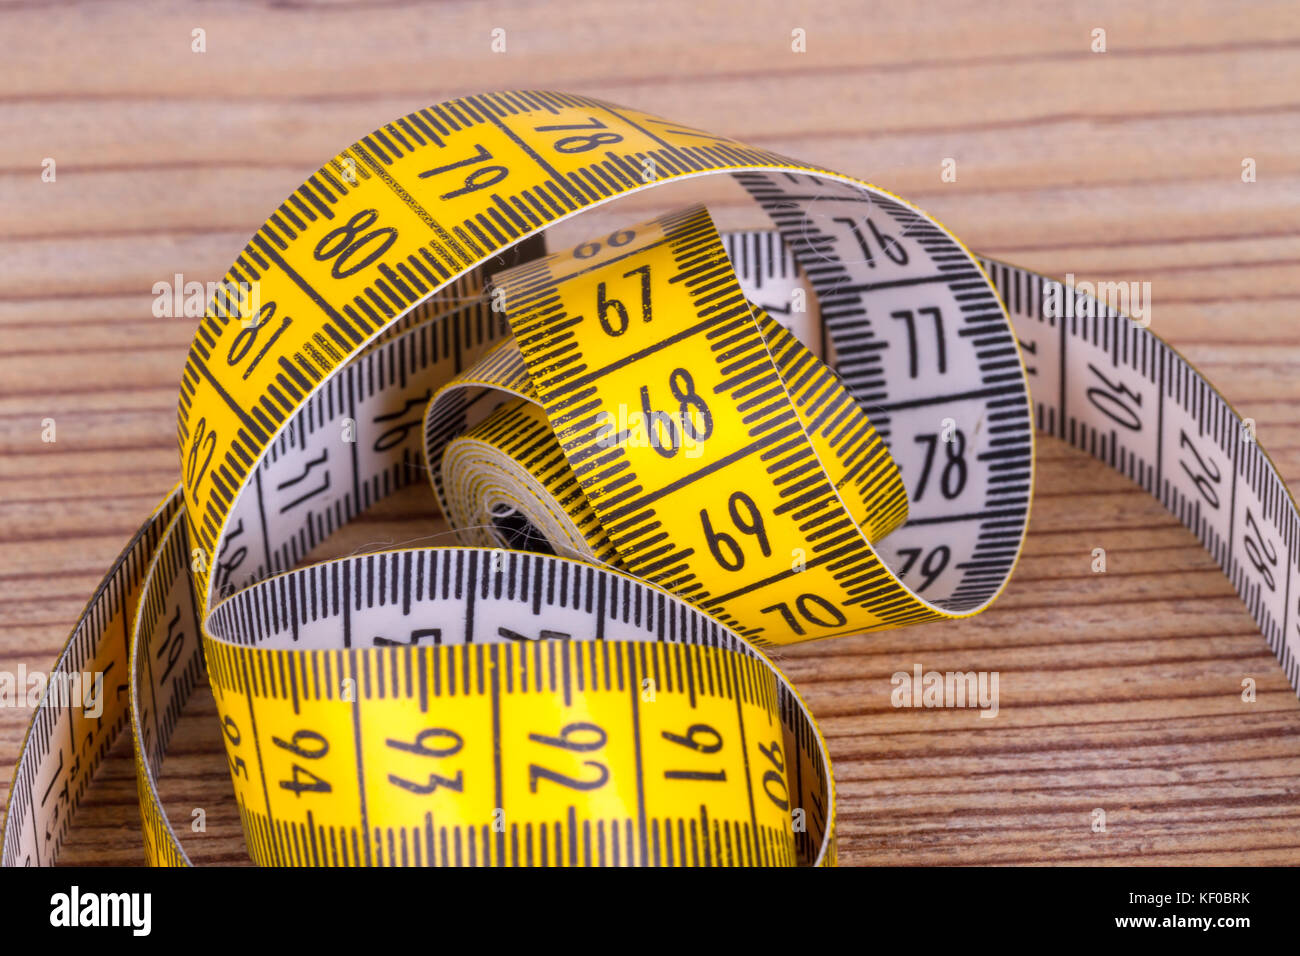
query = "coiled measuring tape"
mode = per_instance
[{"x": 662, "y": 449}]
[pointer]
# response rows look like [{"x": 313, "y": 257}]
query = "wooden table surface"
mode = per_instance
[{"x": 1119, "y": 691}]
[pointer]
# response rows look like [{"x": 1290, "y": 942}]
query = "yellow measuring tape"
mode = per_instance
[{"x": 662, "y": 450}]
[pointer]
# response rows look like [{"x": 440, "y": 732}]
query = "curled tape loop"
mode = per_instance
[{"x": 661, "y": 449}]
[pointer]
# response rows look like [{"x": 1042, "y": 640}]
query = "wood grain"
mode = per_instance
[{"x": 1119, "y": 691}]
